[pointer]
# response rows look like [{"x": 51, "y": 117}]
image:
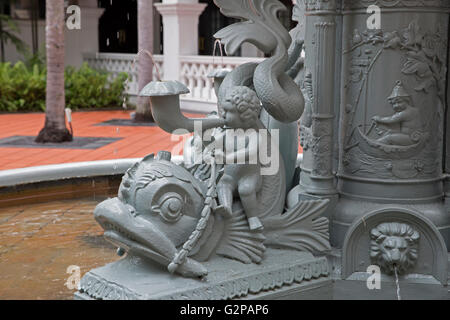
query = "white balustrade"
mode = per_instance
[
  {"x": 115, "y": 63},
  {"x": 195, "y": 70},
  {"x": 194, "y": 74}
]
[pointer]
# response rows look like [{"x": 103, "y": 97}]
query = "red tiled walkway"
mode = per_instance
[{"x": 136, "y": 141}]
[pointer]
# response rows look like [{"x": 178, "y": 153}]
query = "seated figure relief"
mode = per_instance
[{"x": 405, "y": 124}]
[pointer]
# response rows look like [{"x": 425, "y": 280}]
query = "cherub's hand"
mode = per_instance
[
  {"x": 211, "y": 154},
  {"x": 219, "y": 155},
  {"x": 376, "y": 119},
  {"x": 225, "y": 212}
]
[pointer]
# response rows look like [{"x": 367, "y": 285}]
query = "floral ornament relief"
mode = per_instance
[{"x": 426, "y": 57}]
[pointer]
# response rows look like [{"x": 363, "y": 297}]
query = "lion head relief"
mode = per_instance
[{"x": 394, "y": 245}]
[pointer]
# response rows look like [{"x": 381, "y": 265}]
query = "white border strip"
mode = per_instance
[
  {"x": 56, "y": 172},
  {"x": 64, "y": 171}
]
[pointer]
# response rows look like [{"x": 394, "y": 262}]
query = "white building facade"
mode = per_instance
[{"x": 107, "y": 40}]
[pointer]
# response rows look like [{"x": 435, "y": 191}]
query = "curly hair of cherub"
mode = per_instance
[{"x": 246, "y": 102}]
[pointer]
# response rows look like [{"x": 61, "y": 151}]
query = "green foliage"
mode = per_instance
[
  {"x": 22, "y": 89},
  {"x": 31, "y": 59},
  {"x": 87, "y": 88}
]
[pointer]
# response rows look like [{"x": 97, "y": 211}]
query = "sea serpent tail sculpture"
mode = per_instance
[{"x": 278, "y": 92}]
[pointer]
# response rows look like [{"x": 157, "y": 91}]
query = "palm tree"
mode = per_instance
[
  {"x": 7, "y": 32},
  {"x": 55, "y": 123},
  {"x": 145, "y": 63}
]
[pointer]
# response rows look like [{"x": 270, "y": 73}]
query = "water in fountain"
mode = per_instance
[
  {"x": 397, "y": 283},
  {"x": 218, "y": 42}
]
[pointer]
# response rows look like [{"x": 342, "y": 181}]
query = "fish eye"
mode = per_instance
[{"x": 171, "y": 209}]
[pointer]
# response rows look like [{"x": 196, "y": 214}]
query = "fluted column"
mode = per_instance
[{"x": 317, "y": 176}]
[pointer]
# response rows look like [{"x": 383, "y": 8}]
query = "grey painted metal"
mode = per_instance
[
  {"x": 286, "y": 275},
  {"x": 165, "y": 100},
  {"x": 373, "y": 169},
  {"x": 403, "y": 166},
  {"x": 182, "y": 216},
  {"x": 317, "y": 124},
  {"x": 399, "y": 238}
]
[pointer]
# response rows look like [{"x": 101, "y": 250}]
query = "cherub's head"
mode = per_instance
[
  {"x": 241, "y": 108},
  {"x": 400, "y": 98},
  {"x": 400, "y": 103}
]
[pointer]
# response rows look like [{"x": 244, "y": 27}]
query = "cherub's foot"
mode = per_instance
[
  {"x": 255, "y": 224},
  {"x": 224, "y": 212}
]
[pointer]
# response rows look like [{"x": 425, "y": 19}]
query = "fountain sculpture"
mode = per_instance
[{"x": 371, "y": 189}]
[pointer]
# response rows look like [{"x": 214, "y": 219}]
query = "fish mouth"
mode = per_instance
[
  {"x": 133, "y": 246},
  {"x": 114, "y": 232},
  {"x": 127, "y": 231},
  {"x": 141, "y": 237}
]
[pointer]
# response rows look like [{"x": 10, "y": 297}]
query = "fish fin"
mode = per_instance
[
  {"x": 301, "y": 228},
  {"x": 149, "y": 158},
  {"x": 239, "y": 242}
]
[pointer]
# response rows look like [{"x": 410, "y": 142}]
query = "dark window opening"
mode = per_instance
[
  {"x": 41, "y": 6},
  {"x": 118, "y": 26},
  {"x": 211, "y": 21},
  {"x": 5, "y": 7},
  {"x": 286, "y": 17}
]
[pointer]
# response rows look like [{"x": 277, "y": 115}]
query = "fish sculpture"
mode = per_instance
[
  {"x": 165, "y": 214},
  {"x": 171, "y": 214}
]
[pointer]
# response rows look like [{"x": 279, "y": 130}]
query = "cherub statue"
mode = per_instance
[
  {"x": 179, "y": 215},
  {"x": 406, "y": 116},
  {"x": 242, "y": 171}
]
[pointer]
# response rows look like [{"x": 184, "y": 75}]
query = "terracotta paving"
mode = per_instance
[
  {"x": 38, "y": 243},
  {"x": 136, "y": 142}
]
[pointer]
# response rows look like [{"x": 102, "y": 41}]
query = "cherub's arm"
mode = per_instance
[
  {"x": 250, "y": 151},
  {"x": 396, "y": 118}
]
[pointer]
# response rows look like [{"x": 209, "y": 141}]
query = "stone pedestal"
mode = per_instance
[{"x": 282, "y": 275}]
